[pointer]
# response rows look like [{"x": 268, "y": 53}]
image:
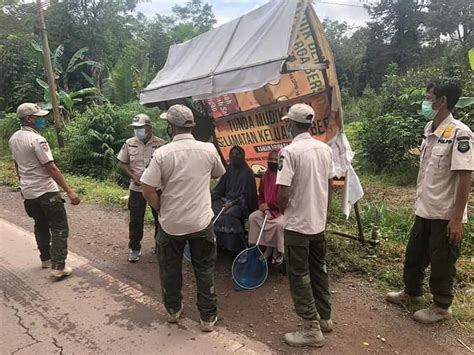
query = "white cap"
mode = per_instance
[
  {"x": 180, "y": 116},
  {"x": 30, "y": 109},
  {"x": 141, "y": 120},
  {"x": 300, "y": 113}
]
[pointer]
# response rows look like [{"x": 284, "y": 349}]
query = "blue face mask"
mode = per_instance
[
  {"x": 140, "y": 133},
  {"x": 40, "y": 122},
  {"x": 427, "y": 110}
]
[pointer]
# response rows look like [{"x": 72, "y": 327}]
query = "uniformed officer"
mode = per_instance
[
  {"x": 182, "y": 170},
  {"x": 39, "y": 179},
  {"x": 134, "y": 157},
  {"x": 305, "y": 172},
  {"x": 444, "y": 182}
]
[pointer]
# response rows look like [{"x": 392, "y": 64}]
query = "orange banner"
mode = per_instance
[{"x": 262, "y": 130}]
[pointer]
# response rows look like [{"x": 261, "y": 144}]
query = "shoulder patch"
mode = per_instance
[
  {"x": 464, "y": 146},
  {"x": 281, "y": 158},
  {"x": 45, "y": 146}
]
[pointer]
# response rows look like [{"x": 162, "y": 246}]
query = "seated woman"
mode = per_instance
[
  {"x": 272, "y": 236},
  {"x": 236, "y": 192}
]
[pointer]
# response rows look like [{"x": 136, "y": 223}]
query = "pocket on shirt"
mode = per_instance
[
  {"x": 441, "y": 156},
  {"x": 133, "y": 155}
]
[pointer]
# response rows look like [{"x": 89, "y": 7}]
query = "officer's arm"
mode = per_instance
[
  {"x": 16, "y": 170},
  {"x": 283, "y": 197},
  {"x": 127, "y": 170},
  {"x": 58, "y": 177},
  {"x": 455, "y": 230},
  {"x": 152, "y": 197}
]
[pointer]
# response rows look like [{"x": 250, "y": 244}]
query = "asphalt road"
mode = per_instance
[{"x": 90, "y": 311}]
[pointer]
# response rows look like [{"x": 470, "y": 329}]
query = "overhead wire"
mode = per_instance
[{"x": 338, "y": 4}]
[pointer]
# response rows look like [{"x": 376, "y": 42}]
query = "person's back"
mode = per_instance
[
  {"x": 181, "y": 172},
  {"x": 311, "y": 165},
  {"x": 305, "y": 170},
  {"x": 186, "y": 169}
]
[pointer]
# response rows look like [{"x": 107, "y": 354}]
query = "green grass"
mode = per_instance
[
  {"x": 391, "y": 213},
  {"x": 104, "y": 193}
]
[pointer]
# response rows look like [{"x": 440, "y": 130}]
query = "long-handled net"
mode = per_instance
[{"x": 250, "y": 268}]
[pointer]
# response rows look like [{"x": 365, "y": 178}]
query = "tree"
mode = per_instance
[
  {"x": 102, "y": 26},
  {"x": 195, "y": 14},
  {"x": 349, "y": 51},
  {"x": 454, "y": 19},
  {"x": 398, "y": 24},
  {"x": 19, "y": 69},
  {"x": 186, "y": 22}
]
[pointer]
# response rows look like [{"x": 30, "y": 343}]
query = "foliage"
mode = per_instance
[
  {"x": 95, "y": 137},
  {"x": 8, "y": 125},
  {"x": 451, "y": 18},
  {"x": 18, "y": 70},
  {"x": 399, "y": 24},
  {"x": 67, "y": 100},
  {"x": 130, "y": 74},
  {"x": 349, "y": 52},
  {"x": 389, "y": 126}
]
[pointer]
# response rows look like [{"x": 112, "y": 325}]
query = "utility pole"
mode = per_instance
[{"x": 58, "y": 120}]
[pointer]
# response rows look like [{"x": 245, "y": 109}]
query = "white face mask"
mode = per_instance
[{"x": 140, "y": 133}]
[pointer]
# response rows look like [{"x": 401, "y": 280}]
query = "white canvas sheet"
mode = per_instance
[{"x": 241, "y": 55}]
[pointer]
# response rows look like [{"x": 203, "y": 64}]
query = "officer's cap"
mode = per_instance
[
  {"x": 30, "y": 109},
  {"x": 300, "y": 113},
  {"x": 180, "y": 116},
  {"x": 141, "y": 120}
]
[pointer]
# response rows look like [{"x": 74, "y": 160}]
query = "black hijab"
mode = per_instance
[{"x": 238, "y": 183}]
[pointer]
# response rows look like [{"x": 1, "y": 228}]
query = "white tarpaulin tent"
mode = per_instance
[{"x": 241, "y": 55}]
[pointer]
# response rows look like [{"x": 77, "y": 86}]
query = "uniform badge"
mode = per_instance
[
  {"x": 45, "y": 146},
  {"x": 280, "y": 162},
  {"x": 448, "y": 132},
  {"x": 464, "y": 146}
]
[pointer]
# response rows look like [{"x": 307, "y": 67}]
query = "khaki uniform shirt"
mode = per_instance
[
  {"x": 306, "y": 165},
  {"x": 31, "y": 152},
  {"x": 138, "y": 155},
  {"x": 443, "y": 152},
  {"x": 182, "y": 170}
]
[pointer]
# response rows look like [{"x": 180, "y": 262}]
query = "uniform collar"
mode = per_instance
[
  {"x": 183, "y": 136},
  {"x": 302, "y": 136},
  {"x": 441, "y": 128},
  {"x": 30, "y": 129}
]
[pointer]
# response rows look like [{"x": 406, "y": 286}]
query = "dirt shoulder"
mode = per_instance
[{"x": 359, "y": 312}]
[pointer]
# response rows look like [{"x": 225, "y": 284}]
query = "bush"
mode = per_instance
[
  {"x": 8, "y": 125},
  {"x": 390, "y": 127},
  {"x": 94, "y": 138}
]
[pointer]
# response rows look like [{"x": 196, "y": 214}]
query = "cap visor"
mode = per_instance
[
  {"x": 41, "y": 113},
  {"x": 137, "y": 124},
  {"x": 284, "y": 118},
  {"x": 164, "y": 116}
]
